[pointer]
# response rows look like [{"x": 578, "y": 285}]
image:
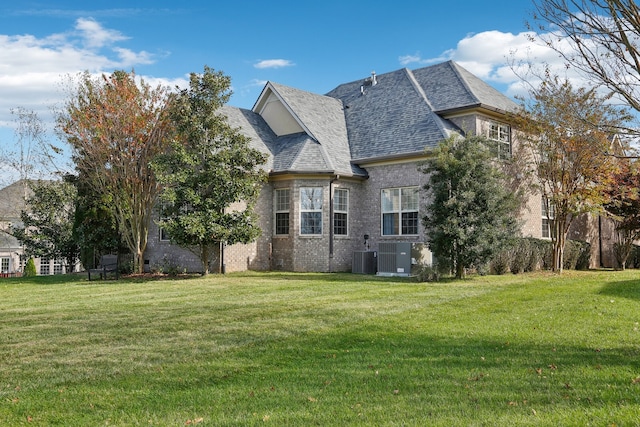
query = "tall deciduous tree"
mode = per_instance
[
  {"x": 47, "y": 224},
  {"x": 211, "y": 176},
  {"x": 116, "y": 126},
  {"x": 624, "y": 208},
  {"x": 471, "y": 213},
  {"x": 567, "y": 133},
  {"x": 601, "y": 38}
]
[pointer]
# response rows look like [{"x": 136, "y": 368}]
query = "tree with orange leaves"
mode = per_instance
[
  {"x": 567, "y": 135},
  {"x": 116, "y": 126}
]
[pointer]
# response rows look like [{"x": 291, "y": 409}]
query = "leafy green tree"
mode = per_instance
[
  {"x": 471, "y": 215},
  {"x": 212, "y": 176},
  {"x": 94, "y": 226},
  {"x": 47, "y": 224}
]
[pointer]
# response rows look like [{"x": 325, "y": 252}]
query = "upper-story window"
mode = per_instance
[
  {"x": 282, "y": 200},
  {"x": 548, "y": 215},
  {"x": 311, "y": 210},
  {"x": 340, "y": 211},
  {"x": 400, "y": 211},
  {"x": 500, "y": 134}
]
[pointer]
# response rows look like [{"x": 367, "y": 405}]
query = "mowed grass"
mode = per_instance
[{"x": 321, "y": 349}]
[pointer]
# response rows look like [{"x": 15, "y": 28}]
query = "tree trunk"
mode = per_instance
[
  {"x": 560, "y": 230},
  {"x": 204, "y": 258}
]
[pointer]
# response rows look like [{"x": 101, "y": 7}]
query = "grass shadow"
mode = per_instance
[{"x": 629, "y": 289}]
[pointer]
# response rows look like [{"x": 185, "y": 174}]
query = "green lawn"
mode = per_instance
[{"x": 321, "y": 349}]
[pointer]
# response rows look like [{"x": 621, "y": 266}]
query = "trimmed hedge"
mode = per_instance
[{"x": 530, "y": 254}]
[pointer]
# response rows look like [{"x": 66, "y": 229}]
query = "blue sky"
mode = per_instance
[{"x": 313, "y": 46}]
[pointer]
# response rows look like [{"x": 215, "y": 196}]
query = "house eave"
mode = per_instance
[
  {"x": 470, "y": 108},
  {"x": 393, "y": 158},
  {"x": 311, "y": 173}
]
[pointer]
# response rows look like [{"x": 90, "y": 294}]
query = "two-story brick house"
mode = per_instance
[{"x": 344, "y": 165}]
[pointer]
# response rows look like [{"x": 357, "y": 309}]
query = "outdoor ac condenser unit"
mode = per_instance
[
  {"x": 364, "y": 262},
  {"x": 394, "y": 258}
]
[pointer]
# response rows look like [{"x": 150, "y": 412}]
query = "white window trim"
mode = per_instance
[
  {"x": 503, "y": 131},
  {"x": 340, "y": 211},
  {"x": 547, "y": 213},
  {"x": 400, "y": 211},
  {"x": 5, "y": 268},
  {"x": 43, "y": 262},
  {"x": 281, "y": 211}
]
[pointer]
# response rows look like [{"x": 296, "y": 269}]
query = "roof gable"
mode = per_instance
[
  {"x": 320, "y": 117},
  {"x": 277, "y": 113}
]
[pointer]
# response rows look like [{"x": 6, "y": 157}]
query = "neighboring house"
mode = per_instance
[
  {"x": 12, "y": 258},
  {"x": 12, "y": 202},
  {"x": 343, "y": 168}
]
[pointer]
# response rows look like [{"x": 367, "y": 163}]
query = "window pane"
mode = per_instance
[
  {"x": 546, "y": 232},
  {"x": 391, "y": 200},
  {"x": 44, "y": 266},
  {"x": 390, "y": 224},
  {"x": 311, "y": 199},
  {"x": 410, "y": 199},
  {"x": 282, "y": 199},
  {"x": 282, "y": 223},
  {"x": 340, "y": 224},
  {"x": 410, "y": 223},
  {"x": 311, "y": 222},
  {"x": 340, "y": 200}
]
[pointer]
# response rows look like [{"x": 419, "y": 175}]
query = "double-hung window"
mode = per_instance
[
  {"x": 400, "y": 211},
  {"x": 311, "y": 210},
  {"x": 4, "y": 265},
  {"x": 282, "y": 200},
  {"x": 500, "y": 135},
  {"x": 340, "y": 211},
  {"x": 548, "y": 215}
]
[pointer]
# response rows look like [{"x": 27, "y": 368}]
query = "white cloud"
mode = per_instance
[
  {"x": 32, "y": 69},
  {"x": 491, "y": 54},
  {"x": 94, "y": 35},
  {"x": 273, "y": 63}
]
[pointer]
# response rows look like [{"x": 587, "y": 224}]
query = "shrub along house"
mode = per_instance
[{"x": 343, "y": 168}]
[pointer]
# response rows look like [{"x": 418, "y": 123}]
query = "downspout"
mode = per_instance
[{"x": 331, "y": 234}]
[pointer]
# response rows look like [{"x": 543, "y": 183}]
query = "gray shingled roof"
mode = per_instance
[
  {"x": 448, "y": 86},
  {"x": 324, "y": 150},
  {"x": 391, "y": 118},
  {"x": 401, "y": 115}
]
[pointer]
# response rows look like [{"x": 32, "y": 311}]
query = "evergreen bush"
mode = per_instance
[{"x": 30, "y": 268}]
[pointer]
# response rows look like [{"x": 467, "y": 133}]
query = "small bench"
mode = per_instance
[{"x": 108, "y": 264}]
